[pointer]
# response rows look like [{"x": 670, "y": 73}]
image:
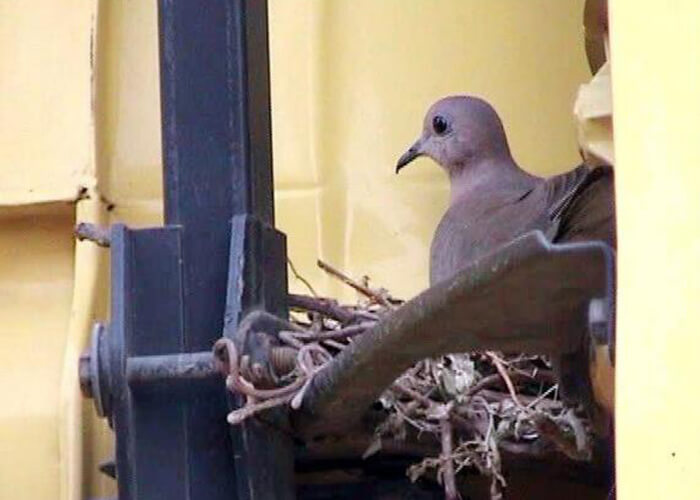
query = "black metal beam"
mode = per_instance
[
  {"x": 150, "y": 425},
  {"x": 258, "y": 281},
  {"x": 218, "y": 187},
  {"x": 216, "y": 140},
  {"x": 218, "y": 257}
]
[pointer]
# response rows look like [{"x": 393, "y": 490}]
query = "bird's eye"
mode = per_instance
[{"x": 439, "y": 125}]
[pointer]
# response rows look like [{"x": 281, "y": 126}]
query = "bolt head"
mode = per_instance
[{"x": 85, "y": 374}]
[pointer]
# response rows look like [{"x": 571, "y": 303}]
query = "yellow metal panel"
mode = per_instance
[
  {"x": 46, "y": 155},
  {"x": 593, "y": 111},
  {"x": 348, "y": 96},
  {"x": 45, "y": 99},
  {"x": 36, "y": 284},
  {"x": 128, "y": 111},
  {"x": 89, "y": 304},
  {"x": 656, "y": 77},
  {"x": 350, "y": 83}
]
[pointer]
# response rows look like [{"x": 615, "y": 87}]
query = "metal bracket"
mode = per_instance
[{"x": 601, "y": 324}]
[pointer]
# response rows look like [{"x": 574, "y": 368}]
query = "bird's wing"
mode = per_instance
[
  {"x": 589, "y": 213},
  {"x": 477, "y": 225},
  {"x": 574, "y": 206},
  {"x": 571, "y": 194},
  {"x": 559, "y": 191}
]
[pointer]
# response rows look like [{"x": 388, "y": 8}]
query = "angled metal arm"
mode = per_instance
[{"x": 529, "y": 296}]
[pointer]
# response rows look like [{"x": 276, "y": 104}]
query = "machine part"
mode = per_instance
[
  {"x": 599, "y": 321},
  {"x": 92, "y": 232},
  {"x": 601, "y": 369},
  {"x": 175, "y": 288},
  {"x": 141, "y": 370},
  {"x": 257, "y": 287},
  {"x": 92, "y": 383}
]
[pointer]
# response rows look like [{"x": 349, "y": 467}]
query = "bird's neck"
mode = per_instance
[{"x": 487, "y": 176}]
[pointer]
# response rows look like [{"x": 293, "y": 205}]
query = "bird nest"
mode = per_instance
[{"x": 476, "y": 405}]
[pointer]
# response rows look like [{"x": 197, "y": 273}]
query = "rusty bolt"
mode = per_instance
[{"x": 84, "y": 374}]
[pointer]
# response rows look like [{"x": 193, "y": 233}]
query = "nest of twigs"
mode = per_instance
[{"x": 476, "y": 405}]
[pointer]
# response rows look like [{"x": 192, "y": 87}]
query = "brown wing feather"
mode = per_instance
[{"x": 590, "y": 215}]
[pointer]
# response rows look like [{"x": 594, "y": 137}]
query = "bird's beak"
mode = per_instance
[{"x": 413, "y": 152}]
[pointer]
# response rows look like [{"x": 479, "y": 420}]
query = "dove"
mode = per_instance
[{"x": 492, "y": 199}]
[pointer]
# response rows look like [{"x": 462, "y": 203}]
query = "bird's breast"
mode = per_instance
[{"x": 470, "y": 230}]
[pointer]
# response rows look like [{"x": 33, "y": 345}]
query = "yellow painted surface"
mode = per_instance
[
  {"x": 127, "y": 100},
  {"x": 36, "y": 285},
  {"x": 45, "y": 99},
  {"x": 46, "y": 163},
  {"x": 656, "y": 77},
  {"x": 350, "y": 83},
  {"x": 348, "y": 98},
  {"x": 593, "y": 111}
]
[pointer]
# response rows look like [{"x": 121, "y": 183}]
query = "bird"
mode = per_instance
[{"x": 492, "y": 199}]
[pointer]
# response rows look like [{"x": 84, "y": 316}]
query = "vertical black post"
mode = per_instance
[
  {"x": 215, "y": 102},
  {"x": 215, "y": 99}
]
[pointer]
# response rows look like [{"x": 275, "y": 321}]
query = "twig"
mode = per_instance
[
  {"x": 326, "y": 307},
  {"x": 542, "y": 402},
  {"x": 334, "y": 344},
  {"x": 239, "y": 415},
  {"x": 301, "y": 278},
  {"x": 542, "y": 396},
  {"x": 413, "y": 394},
  {"x": 448, "y": 468},
  {"x": 367, "y": 292},
  {"x": 462, "y": 422},
  {"x": 343, "y": 333},
  {"x": 497, "y": 379},
  {"x": 502, "y": 371}
]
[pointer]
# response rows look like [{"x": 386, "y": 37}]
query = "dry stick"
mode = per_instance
[
  {"x": 502, "y": 371},
  {"x": 406, "y": 391},
  {"x": 462, "y": 422},
  {"x": 485, "y": 383},
  {"x": 367, "y": 292},
  {"x": 497, "y": 379},
  {"x": 334, "y": 344},
  {"x": 326, "y": 307},
  {"x": 348, "y": 331},
  {"x": 542, "y": 396},
  {"x": 239, "y": 415},
  {"x": 543, "y": 403},
  {"x": 301, "y": 278},
  {"x": 448, "y": 468}
]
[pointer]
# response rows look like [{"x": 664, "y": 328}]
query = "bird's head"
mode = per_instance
[{"x": 459, "y": 131}]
